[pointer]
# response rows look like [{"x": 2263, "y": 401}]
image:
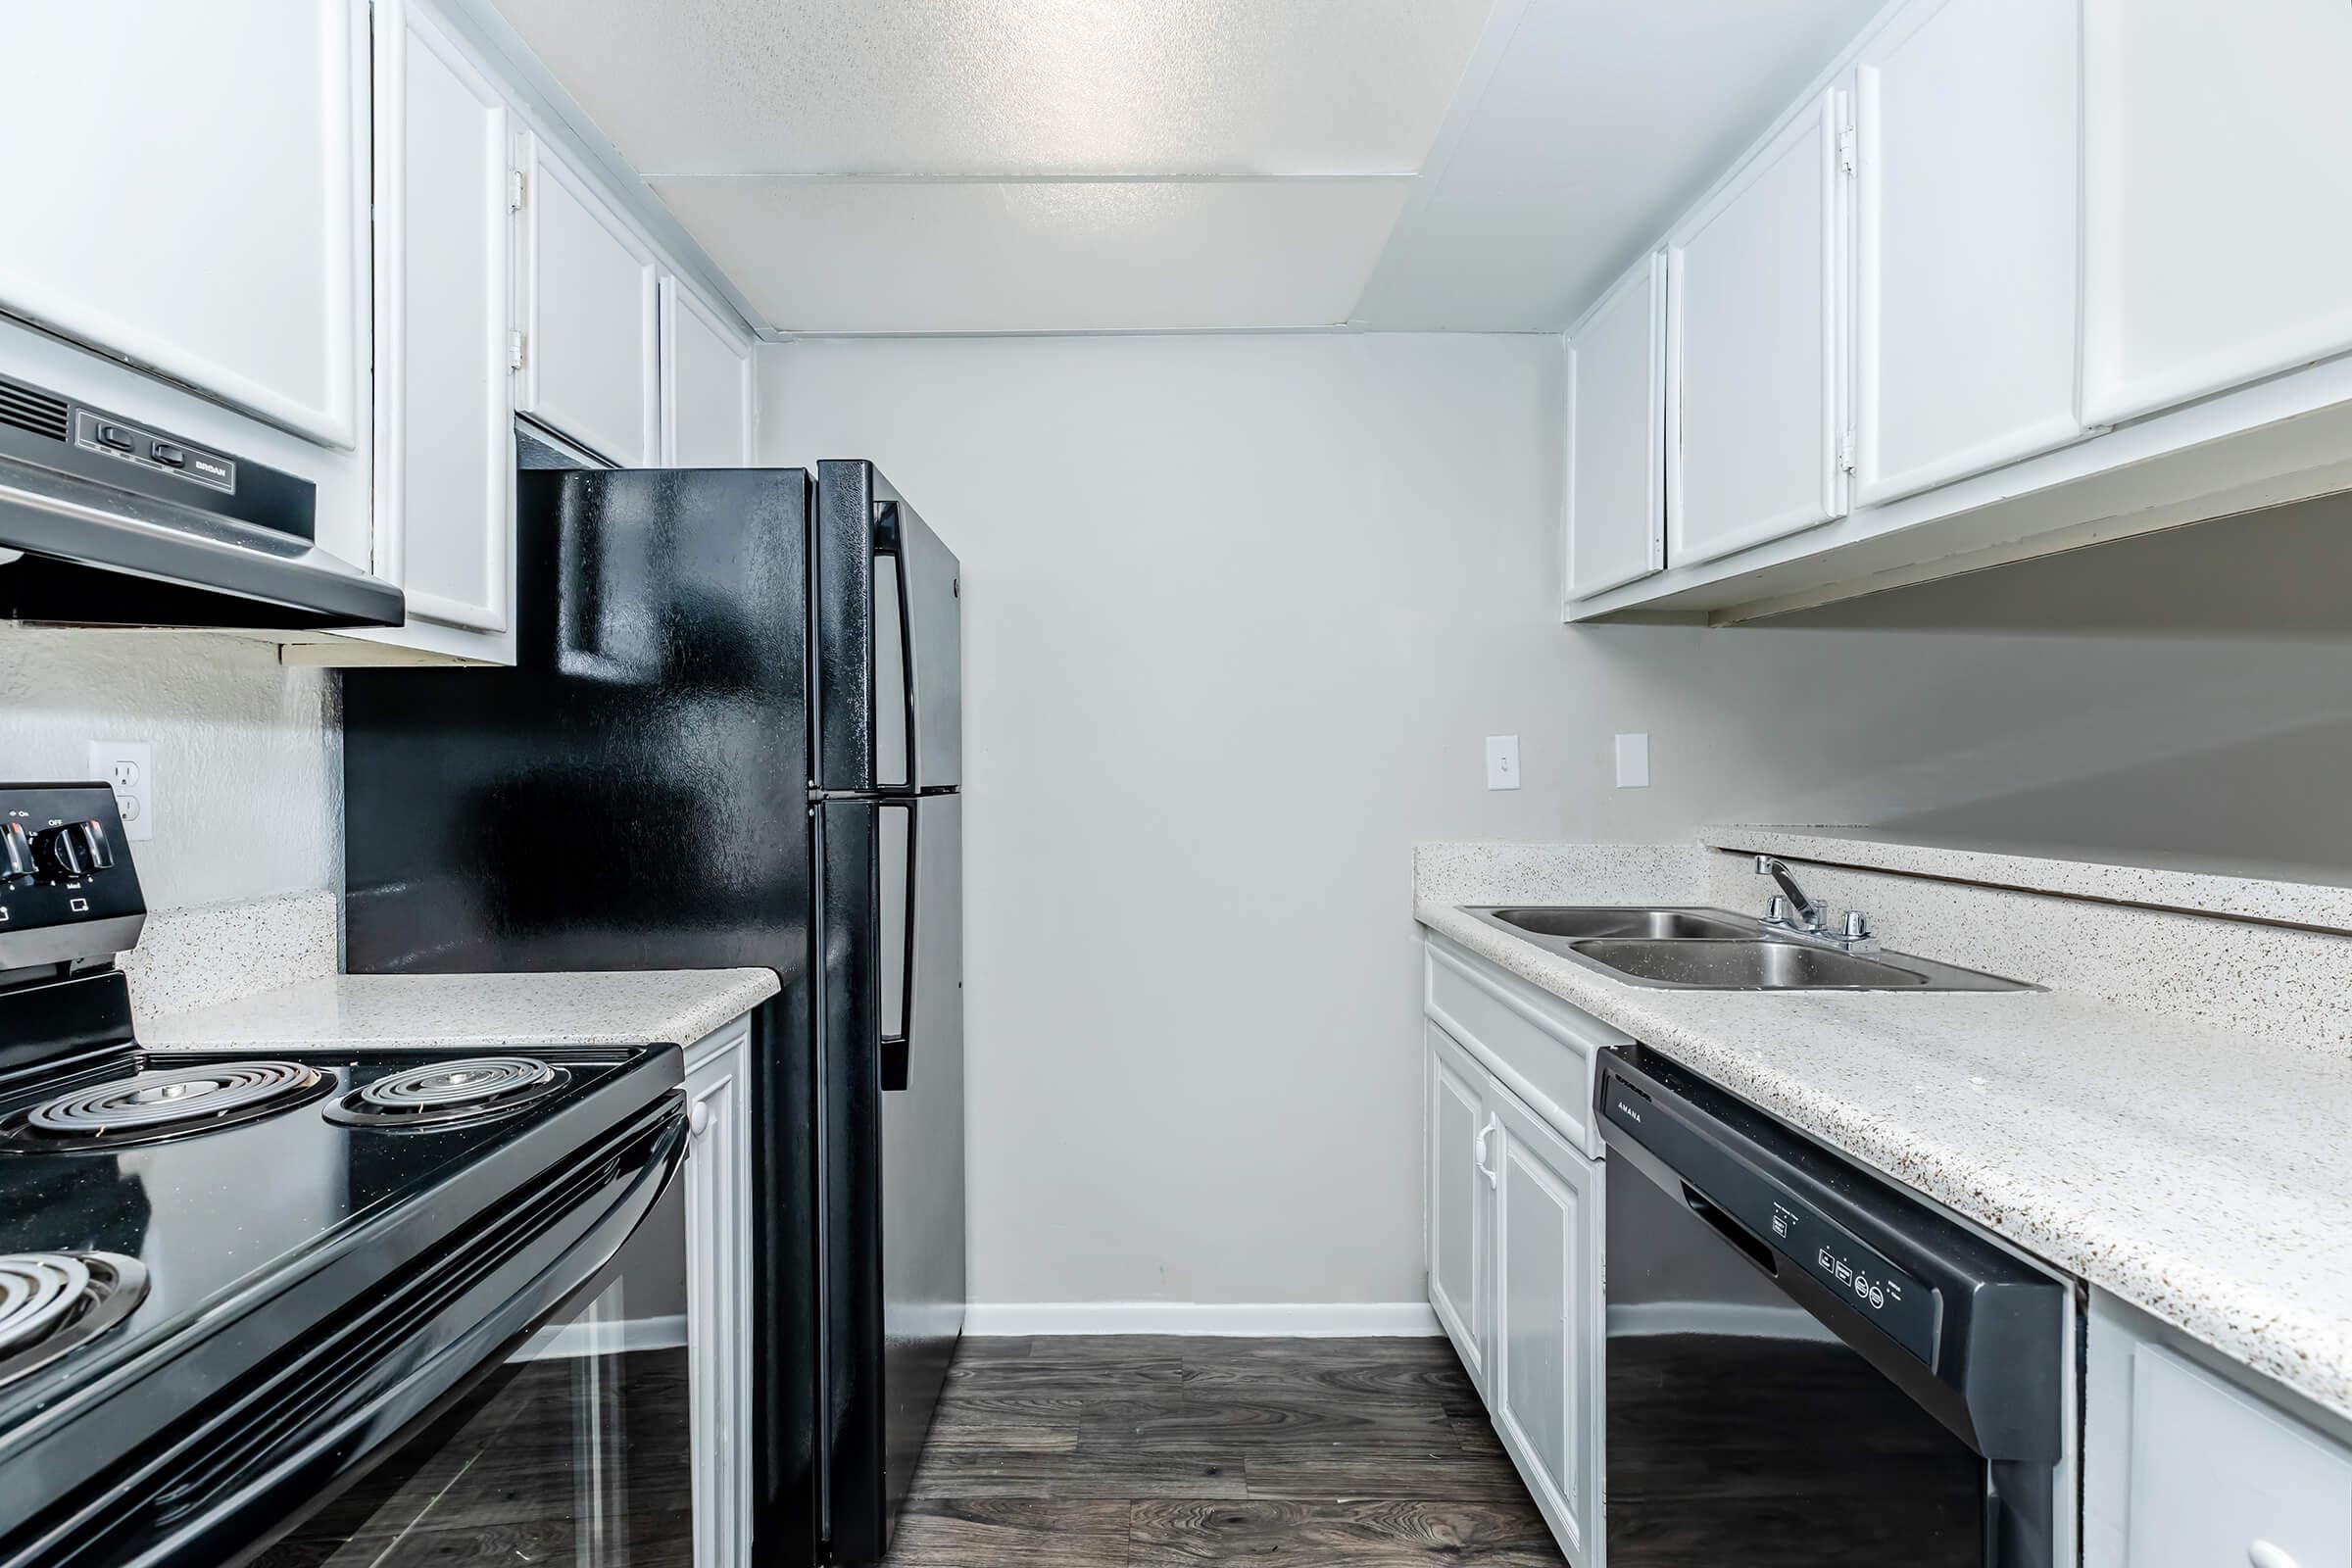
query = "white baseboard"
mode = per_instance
[
  {"x": 1333, "y": 1320},
  {"x": 606, "y": 1337}
]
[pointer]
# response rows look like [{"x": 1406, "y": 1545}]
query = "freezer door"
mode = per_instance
[
  {"x": 888, "y": 624},
  {"x": 891, "y": 1044}
]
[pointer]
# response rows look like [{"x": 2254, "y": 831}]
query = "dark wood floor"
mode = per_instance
[{"x": 1159, "y": 1452}]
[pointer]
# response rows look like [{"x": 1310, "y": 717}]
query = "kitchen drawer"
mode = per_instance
[
  {"x": 1539, "y": 1047},
  {"x": 2219, "y": 1478}
]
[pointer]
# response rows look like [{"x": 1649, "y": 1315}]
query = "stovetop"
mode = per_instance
[
  {"x": 260, "y": 1198},
  {"x": 202, "y": 1251}
]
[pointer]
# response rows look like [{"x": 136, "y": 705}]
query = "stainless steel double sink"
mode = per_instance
[{"x": 1718, "y": 950}]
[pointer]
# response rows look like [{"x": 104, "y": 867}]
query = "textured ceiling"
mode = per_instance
[
  {"x": 901, "y": 256},
  {"x": 1009, "y": 86},
  {"x": 1602, "y": 121},
  {"x": 954, "y": 165}
]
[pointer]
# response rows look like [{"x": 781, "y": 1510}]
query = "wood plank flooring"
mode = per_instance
[{"x": 1163, "y": 1452}]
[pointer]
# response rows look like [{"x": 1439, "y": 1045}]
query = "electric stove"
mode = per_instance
[{"x": 232, "y": 1285}]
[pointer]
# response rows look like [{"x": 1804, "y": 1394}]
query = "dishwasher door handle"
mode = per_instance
[{"x": 1751, "y": 1246}]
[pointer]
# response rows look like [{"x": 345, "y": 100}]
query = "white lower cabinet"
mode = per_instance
[
  {"x": 1514, "y": 1240},
  {"x": 1459, "y": 1197},
  {"x": 1543, "y": 1389},
  {"x": 719, "y": 1241},
  {"x": 2187, "y": 1465}
]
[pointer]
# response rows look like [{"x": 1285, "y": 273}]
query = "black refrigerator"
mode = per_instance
[{"x": 732, "y": 736}]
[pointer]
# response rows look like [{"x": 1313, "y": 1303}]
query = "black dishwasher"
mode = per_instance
[{"x": 1805, "y": 1365}]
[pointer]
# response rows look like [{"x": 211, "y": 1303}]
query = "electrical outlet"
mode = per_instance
[
  {"x": 1633, "y": 761},
  {"x": 1502, "y": 762},
  {"x": 129, "y": 770}
]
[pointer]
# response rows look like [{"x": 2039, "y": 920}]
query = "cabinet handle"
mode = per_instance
[
  {"x": 2262, "y": 1555},
  {"x": 1478, "y": 1158},
  {"x": 698, "y": 1118}
]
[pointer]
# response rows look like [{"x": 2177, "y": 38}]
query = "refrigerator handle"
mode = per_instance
[
  {"x": 887, "y": 543},
  {"x": 896, "y": 1051}
]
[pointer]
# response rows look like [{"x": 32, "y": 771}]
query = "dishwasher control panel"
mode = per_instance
[{"x": 1889, "y": 1298}]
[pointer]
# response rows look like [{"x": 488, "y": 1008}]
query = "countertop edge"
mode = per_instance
[
  {"x": 2272, "y": 1338},
  {"x": 339, "y": 1011}
]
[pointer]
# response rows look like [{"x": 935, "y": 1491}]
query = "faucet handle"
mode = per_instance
[
  {"x": 1775, "y": 913},
  {"x": 1857, "y": 926}
]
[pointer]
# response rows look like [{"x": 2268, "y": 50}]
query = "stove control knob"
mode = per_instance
[
  {"x": 76, "y": 850},
  {"x": 15, "y": 855}
]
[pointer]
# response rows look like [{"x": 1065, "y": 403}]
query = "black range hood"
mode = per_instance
[{"x": 108, "y": 522}]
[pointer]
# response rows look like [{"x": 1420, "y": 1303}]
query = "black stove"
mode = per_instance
[{"x": 230, "y": 1283}]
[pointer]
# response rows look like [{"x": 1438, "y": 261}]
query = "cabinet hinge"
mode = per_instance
[
  {"x": 513, "y": 190},
  {"x": 513, "y": 351},
  {"x": 1845, "y": 149},
  {"x": 1845, "y": 451}
]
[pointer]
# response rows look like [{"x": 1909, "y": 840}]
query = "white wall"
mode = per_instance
[
  {"x": 248, "y": 780},
  {"x": 1238, "y": 611}
]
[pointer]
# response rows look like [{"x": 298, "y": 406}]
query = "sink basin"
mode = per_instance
[
  {"x": 1718, "y": 950},
  {"x": 1603, "y": 921},
  {"x": 1749, "y": 966}
]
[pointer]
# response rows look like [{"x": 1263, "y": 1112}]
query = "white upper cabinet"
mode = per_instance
[
  {"x": 1617, "y": 434},
  {"x": 1754, "y": 382},
  {"x": 444, "y": 464},
  {"x": 589, "y": 291},
  {"x": 705, "y": 385},
  {"x": 2218, "y": 195},
  {"x": 1965, "y": 223},
  {"x": 185, "y": 191}
]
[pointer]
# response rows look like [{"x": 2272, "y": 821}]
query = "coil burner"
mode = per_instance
[
  {"x": 52, "y": 1301},
  {"x": 450, "y": 1092},
  {"x": 172, "y": 1102}
]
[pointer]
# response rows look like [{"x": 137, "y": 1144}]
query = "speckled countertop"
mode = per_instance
[
  {"x": 467, "y": 1011},
  {"x": 2202, "y": 1176},
  {"x": 2244, "y": 891}
]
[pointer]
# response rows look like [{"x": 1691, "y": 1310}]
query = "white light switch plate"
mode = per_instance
[
  {"x": 1502, "y": 762},
  {"x": 129, "y": 768},
  {"x": 1633, "y": 761}
]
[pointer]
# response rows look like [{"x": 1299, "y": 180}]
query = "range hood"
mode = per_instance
[{"x": 108, "y": 522}]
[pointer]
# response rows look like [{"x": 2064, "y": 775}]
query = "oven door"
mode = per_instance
[
  {"x": 523, "y": 1386},
  {"x": 572, "y": 1447}
]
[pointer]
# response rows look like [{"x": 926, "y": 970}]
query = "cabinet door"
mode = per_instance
[
  {"x": 2215, "y": 1475},
  {"x": 719, "y": 1243},
  {"x": 591, "y": 315},
  {"x": 183, "y": 185},
  {"x": 1457, "y": 1159},
  {"x": 1617, "y": 435},
  {"x": 1544, "y": 1383},
  {"x": 1966, "y": 218},
  {"x": 705, "y": 385},
  {"x": 1755, "y": 393},
  {"x": 445, "y": 455},
  {"x": 2217, "y": 195}
]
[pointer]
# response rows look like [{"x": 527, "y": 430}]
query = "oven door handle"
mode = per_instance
[{"x": 329, "y": 1446}]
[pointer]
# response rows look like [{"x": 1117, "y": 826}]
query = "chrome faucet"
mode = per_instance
[{"x": 1811, "y": 917}]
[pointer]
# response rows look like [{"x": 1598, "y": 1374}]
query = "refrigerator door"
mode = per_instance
[
  {"x": 633, "y": 794},
  {"x": 891, "y": 1059},
  {"x": 888, "y": 624}
]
